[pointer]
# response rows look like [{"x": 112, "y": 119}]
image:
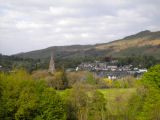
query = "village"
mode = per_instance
[{"x": 111, "y": 70}]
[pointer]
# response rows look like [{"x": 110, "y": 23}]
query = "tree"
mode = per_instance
[
  {"x": 152, "y": 77},
  {"x": 58, "y": 80},
  {"x": 64, "y": 78},
  {"x": 77, "y": 104},
  {"x": 151, "y": 82},
  {"x": 98, "y": 106},
  {"x": 90, "y": 79},
  {"x": 24, "y": 98},
  {"x": 52, "y": 106},
  {"x": 146, "y": 104},
  {"x": 61, "y": 79}
]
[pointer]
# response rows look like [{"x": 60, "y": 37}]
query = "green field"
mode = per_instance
[{"x": 116, "y": 99}]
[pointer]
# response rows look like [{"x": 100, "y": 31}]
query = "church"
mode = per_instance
[{"x": 52, "y": 65}]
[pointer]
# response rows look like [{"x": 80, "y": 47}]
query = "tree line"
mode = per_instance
[{"x": 7, "y": 62}]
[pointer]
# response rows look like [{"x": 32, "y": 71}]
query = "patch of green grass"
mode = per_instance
[
  {"x": 111, "y": 93},
  {"x": 116, "y": 99}
]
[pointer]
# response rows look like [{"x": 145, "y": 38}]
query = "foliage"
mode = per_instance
[
  {"x": 24, "y": 98},
  {"x": 151, "y": 82},
  {"x": 64, "y": 78},
  {"x": 7, "y": 62},
  {"x": 137, "y": 61},
  {"x": 117, "y": 100},
  {"x": 152, "y": 77},
  {"x": 52, "y": 106},
  {"x": 84, "y": 103},
  {"x": 40, "y": 74},
  {"x": 58, "y": 81},
  {"x": 108, "y": 82},
  {"x": 147, "y": 101},
  {"x": 90, "y": 79},
  {"x": 77, "y": 105},
  {"x": 61, "y": 80},
  {"x": 80, "y": 76},
  {"x": 127, "y": 82},
  {"x": 97, "y": 107}
]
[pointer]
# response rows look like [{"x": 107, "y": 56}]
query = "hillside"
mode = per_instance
[{"x": 142, "y": 43}]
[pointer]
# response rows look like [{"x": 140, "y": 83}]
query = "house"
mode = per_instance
[{"x": 109, "y": 70}]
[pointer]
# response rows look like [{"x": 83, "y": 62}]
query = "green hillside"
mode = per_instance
[{"x": 142, "y": 43}]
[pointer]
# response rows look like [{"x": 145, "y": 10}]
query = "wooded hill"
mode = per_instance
[{"x": 143, "y": 43}]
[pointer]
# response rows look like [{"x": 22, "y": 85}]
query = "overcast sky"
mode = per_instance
[{"x": 27, "y": 25}]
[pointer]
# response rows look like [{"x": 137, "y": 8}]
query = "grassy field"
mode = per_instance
[
  {"x": 116, "y": 101},
  {"x": 111, "y": 94},
  {"x": 115, "y": 97}
]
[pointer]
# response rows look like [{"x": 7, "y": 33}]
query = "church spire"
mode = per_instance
[{"x": 52, "y": 65}]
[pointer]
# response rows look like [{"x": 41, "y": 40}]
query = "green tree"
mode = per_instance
[
  {"x": 52, "y": 106},
  {"x": 22, "y": 98},
  {"x": 97, "y": 107},
  {"x": 58, "y": 78},
  {"x": 64, "y": 78},
  {"x": 146, "y": 104},
  {"x": 90, "y": 79},
  {"x": 77, "y": 105},
  {"x": 151, "y": 82},
  {"x": 61, "y": 79}
]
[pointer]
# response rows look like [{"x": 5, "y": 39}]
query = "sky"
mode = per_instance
[{"x": 27, "y": 25}]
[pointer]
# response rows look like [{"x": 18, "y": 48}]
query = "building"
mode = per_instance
[
  {"x": 110, "y": 70},
  {"x": 52, "y": 65}
]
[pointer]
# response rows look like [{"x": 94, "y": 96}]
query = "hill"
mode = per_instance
[{"x": 143, "y": 43}]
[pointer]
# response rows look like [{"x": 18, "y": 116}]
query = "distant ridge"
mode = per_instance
[
  {"x": 138, "y": 35},
  {"x": 142, "y": 43}
]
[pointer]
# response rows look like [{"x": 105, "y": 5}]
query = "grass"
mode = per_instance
[
  {"x": 116, "y": 100},
  {"x": 111, "y": 93}
]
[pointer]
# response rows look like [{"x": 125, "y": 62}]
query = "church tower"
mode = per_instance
[{"x": 52, "y": 65}]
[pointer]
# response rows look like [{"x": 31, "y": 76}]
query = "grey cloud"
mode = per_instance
[{"x": 35, "y": 24}]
